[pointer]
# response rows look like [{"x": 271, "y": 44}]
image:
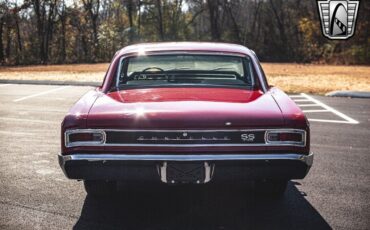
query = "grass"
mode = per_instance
[{"x": 292, "y": 78}]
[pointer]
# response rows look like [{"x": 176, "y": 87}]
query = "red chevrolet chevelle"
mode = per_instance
[{"x": 185, "y": 113}]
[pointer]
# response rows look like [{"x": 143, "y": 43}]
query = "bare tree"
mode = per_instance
[
  {"x": 213, "y": 9},
  {"x": 229, "y": 10},
  {"x": 45, "y": 11},
  {"x": 2, "y": 19},
  {"x": 160, "y": 19},
  {"x": 52, "y": 31},
  {"x": 280, "y": 21},
  {"x": 62, "y": 19},
  {"x": 130, "y": 10},
  {"x": 92, "y": 8}
]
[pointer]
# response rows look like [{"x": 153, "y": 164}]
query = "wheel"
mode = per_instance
[
  {"x": 270, "y": 188},
  {"x": 100, "y": 187}
]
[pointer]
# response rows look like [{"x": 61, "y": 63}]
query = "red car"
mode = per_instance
[{"x": 186, "y": 112}]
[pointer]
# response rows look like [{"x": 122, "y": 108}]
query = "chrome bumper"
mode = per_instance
[
  {"x": 307, "y": 159},
  {"x": 145, "y": 166}
]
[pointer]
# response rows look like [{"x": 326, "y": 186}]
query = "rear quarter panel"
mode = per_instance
[
  {"x": 77, "y": 115},
  {"x": 293, "y": 115}
]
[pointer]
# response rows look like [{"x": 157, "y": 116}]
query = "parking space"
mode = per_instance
[
  {"x": 38, "y": 94},
  {"x": 318, "y": 111},
  {"x": 34, "y": 194},
  {"x": 37, "y": 104}
]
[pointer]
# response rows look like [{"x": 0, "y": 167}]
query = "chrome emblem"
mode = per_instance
[
  {"x": 248, "y": 137},
  {"x": 338, "y": 18},
  {"x": 187, "y": 138}
]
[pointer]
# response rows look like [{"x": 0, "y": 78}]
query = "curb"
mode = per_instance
[
  {"x": 47, "y": 82},
  {"x": 351, "y": 94}
]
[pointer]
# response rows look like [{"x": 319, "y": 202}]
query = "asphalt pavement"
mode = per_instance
[{"x": 34, "y": 193}]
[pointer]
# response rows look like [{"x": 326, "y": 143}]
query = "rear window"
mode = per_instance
[{"x": 185, "y": 69}]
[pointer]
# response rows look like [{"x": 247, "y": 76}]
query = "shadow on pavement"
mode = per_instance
[{"x": 205, "y": 207}]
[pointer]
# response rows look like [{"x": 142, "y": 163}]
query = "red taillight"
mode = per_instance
[
  {"x": 290, "y": 136},
  {"x": 286, "y": 137},
  {"x": 84, "y": 137}
]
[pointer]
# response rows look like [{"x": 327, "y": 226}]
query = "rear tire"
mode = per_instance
[
  {"x": 100, "y": 187},
  {"x": 274, "y": 189}
]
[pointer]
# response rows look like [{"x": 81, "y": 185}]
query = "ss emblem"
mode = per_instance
[{"x": 247, "y": 137}]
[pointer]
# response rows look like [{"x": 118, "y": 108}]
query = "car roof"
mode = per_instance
[{"x": 185, "y": 46}]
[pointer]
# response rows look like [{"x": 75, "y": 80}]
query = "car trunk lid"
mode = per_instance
[{"x": 185, "y": 108}]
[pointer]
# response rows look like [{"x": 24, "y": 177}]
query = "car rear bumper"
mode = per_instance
[{"x": 145, "y": 167}]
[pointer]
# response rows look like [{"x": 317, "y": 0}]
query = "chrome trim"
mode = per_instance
[
  {"x": 163, "y": 170},
  {"x": 68, "y": 143},
  {"x": 208, "y": 172},
  {"x": 196, "y": 145},
  {"x": 103, "y": 131},
  {"x": 181, "y": 130},
  {"x": 209, "y": 169},
  {"x": 174, "y": 52},
  {"x": 190, "y": 139},
  {"x": 302, "y": 143},
  {"x": 258, "y": 68},
  {"x": 307, "y": 159}
]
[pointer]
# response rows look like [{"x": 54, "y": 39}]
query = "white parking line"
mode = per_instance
[
  {"x": 2, "y": 85},
  {"x": 315, "y": 111},
  {"x": 8, "y": 133},
  {"x": 347, "y": 119},
  {"x": 28, "y": 120},
  {"x": 42, "y": 93},
  {"x": 330, "y": 121},
  {"x": 300, "y": 100},
  {"x": 296, "y": 96},
  {"x": 307, "y": 105}
]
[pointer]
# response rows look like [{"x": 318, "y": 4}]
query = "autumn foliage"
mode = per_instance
[{"x": 81, "y": 31}]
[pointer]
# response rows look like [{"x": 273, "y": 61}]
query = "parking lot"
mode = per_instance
[{"x": 34, "y": 193}]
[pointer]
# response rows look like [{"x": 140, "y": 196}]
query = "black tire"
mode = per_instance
[
  {"x": 100, "y": 187},
  {"x": 270, "y": 188}
]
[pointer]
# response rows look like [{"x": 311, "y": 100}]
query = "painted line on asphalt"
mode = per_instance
[
  {"x": 2, "y": 85},
  {"x": 296, "y": 96},
  {"x": 315, "y": 111},
  {"x": 307, "y": 105},
  {"x": 40, "y": 94},
  {"x": 330, "y": 121},
  {"x": 301, "y": 100},
  {"x": 347, "y": 119},
  {"x": 28, "y": 120},
  {"x": 9, "y": 133}
]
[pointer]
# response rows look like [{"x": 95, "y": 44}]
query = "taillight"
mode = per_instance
[
  {"x": 286, "y": 137},
  {"x": 84, "y": 137}
]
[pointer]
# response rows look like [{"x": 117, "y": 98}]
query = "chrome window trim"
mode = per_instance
[
  {"x": 103, "y": 143},
  {"x": 158, "y": 53},
  {"x": 307, "y": 159},
  {"x": 257, "y": 67}
]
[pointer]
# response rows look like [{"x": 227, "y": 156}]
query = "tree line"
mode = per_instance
[{"x": 80, "y": 31}]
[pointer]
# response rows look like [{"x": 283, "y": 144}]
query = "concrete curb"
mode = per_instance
[
  {"x": 352, "y": 94},
  {"x": 47, "y": 82}
]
